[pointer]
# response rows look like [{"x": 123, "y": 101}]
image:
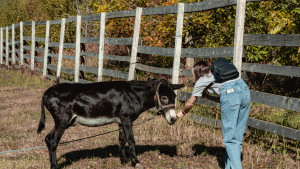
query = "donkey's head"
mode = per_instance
[{"x": 164, "y": 99}]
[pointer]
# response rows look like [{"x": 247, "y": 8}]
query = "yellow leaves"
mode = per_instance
[
  {"x": 266, "y": 5},
  {"x": 148, "y": 39},
  {"x": 169, "y": 2},
  {"x": 159, "y": 43},
  {"x": 260, "y": 165},
  {"x": 276, "y": 29},
  {"x": 101, "y": 8},
  {"x": 278, "y": 20},
  {"x": 153, "y": 41}
]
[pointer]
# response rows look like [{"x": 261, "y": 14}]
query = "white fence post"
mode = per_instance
[
  {"x": 239, "y": 34},
  {"x": 1, "y": 46},
  {"x": 61, "y": 47},
  {"x": 101, "y": 47},
  {"x": 46, "y": 48},
  {"x": 178, "y": 43},
  {"x": 32, "y": 46},
  {"x": 13, "y": 46},
  {"x": 21, "y": 45},
  {"x": 7, "y": 47},
  {"x": 78, "y": 51},
  {"x": 136, "y": 34}
]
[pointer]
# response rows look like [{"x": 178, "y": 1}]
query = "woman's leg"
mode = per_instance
[
  {"x": 244, "y": 110},
  {"x": 230, "y": 106}
]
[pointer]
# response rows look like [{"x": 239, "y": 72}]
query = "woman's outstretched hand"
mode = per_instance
[{"x": 180, "y": 114}]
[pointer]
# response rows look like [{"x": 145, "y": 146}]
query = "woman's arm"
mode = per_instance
[{"x": 188, "y": 105}]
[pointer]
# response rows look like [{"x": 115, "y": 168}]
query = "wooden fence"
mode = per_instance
[{"x": 18, "y": 51}]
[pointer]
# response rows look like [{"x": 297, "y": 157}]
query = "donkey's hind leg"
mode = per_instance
[
  {"x": 52, "y": 140},
  {"x": 122, "y": 141}
]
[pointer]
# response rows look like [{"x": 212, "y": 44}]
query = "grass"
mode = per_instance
[
  {"x": 16, "y": 79},
  {"x": 159, "y": 145}
]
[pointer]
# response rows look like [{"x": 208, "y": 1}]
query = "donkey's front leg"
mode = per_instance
[{"x": 127, "y": 127}]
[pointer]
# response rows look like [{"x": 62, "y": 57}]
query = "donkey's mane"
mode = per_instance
[{"x": 139, "y": 85}]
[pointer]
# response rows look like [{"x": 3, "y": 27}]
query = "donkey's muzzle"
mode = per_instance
[{"x": 171, "y": 116}]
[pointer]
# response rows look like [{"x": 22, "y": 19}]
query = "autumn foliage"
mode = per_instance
[{"x": 212, "y": 28}]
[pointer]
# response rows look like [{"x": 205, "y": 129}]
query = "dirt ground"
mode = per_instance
[{"x": 158, "y": 145}]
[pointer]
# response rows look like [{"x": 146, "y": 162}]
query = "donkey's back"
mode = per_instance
[{"x": 93, "y": 104}]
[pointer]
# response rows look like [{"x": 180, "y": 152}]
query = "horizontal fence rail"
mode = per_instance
[
  {"x": 111, "y": 41},
  {"x": 151, "y": 69},
  {"x": 272, "y": 69},
  {"x": 291, "y": 40},
  {"x": 219, "y": 52},
  {"x": 15, "y": 50}
]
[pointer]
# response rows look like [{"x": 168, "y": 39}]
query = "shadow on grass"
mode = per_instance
[
  {"x": 219, "y": 152},
  {"x": 203, "y": 150},
  {"x": 113, "y": 151}
]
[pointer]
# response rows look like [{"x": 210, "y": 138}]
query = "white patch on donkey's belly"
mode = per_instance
[{"x": 94, "y": 122}]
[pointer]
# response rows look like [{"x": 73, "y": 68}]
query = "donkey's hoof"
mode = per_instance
[
  {"x": 139, "y": 165},
  {"x": 124, "y": 161}
]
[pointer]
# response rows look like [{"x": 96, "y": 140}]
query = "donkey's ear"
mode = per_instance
[{"x": 176, "y": 86}]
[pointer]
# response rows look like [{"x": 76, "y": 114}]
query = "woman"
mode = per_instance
[{"x": 234, "y": 103}]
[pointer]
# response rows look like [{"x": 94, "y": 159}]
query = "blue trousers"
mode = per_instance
[{"x": 235, "y": 106}]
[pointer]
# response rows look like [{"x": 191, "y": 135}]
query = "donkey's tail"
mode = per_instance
[{"x": 42, "y": 120}]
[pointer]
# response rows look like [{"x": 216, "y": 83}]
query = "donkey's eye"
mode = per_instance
[{"x": 165, "y": 99}]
